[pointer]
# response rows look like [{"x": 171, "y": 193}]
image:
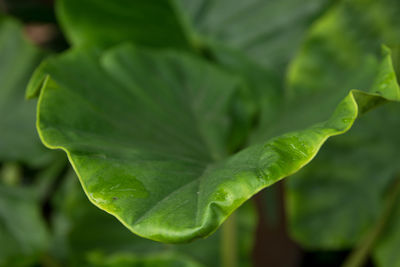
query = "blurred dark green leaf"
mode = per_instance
[
  {"x": 23, "y": 234},
  {"x": 18, "y": 58},
  {"x": 338, "y": 198},
  {"x": 266, "y": 32},
  {"x": 386, "y": 250},
  {"x": 104, "y": 23}
]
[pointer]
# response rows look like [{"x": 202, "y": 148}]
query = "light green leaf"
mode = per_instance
[
  {"x": 82, "y": 230},
  {"x": 23, "y": 234},
  {"x": 18, "y": 58},
  {"x": 146, "y": 134}
]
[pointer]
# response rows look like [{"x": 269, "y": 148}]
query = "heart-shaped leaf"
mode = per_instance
[{"x": 146, "y": 132}]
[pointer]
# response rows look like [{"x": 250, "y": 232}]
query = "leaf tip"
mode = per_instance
[{"x": 36, "y": 82}]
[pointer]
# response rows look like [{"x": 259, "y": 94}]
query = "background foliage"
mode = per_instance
[{"x": 216, "y": 100}]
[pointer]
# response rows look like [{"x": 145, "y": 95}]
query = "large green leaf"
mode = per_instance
[
  {"x": 255, "y": 39},
  {"x": 83, "y": 232},
  {"x": 23, "y": 235},
  {"x": 146, "y": 134},
  {"x": 18, "y": 58}
]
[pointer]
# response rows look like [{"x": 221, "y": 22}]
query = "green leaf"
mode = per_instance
[
  {"x": 251, "y": 38},
  {"x": 18, "y": 58},
  {"x": 350, "y": 177},
  {"x": 257, "y": 28},
  {"x": 258, "y": 104},
  {"x": 23, "y": 234},
  {"x": 150, "y": 151},
  {"x": 385, "y": 252},
  {"x": 266, "y": 32},
  {"x": 83, "y": 231},
  {"x": 104, "y": 23},
  {"x": 349, "y": 37}
]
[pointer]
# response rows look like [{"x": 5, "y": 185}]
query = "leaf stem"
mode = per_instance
[
  {"x": 360, "y": 254},
  {"x": 229, "y": 243}
]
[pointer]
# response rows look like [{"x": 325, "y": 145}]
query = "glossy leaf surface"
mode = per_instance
[
  {"x": 145, "y": 133},
  {"x": 85, "y": 234}
]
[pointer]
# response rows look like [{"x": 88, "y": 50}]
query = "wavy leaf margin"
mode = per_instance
[{"x": 265, "y": 163}]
